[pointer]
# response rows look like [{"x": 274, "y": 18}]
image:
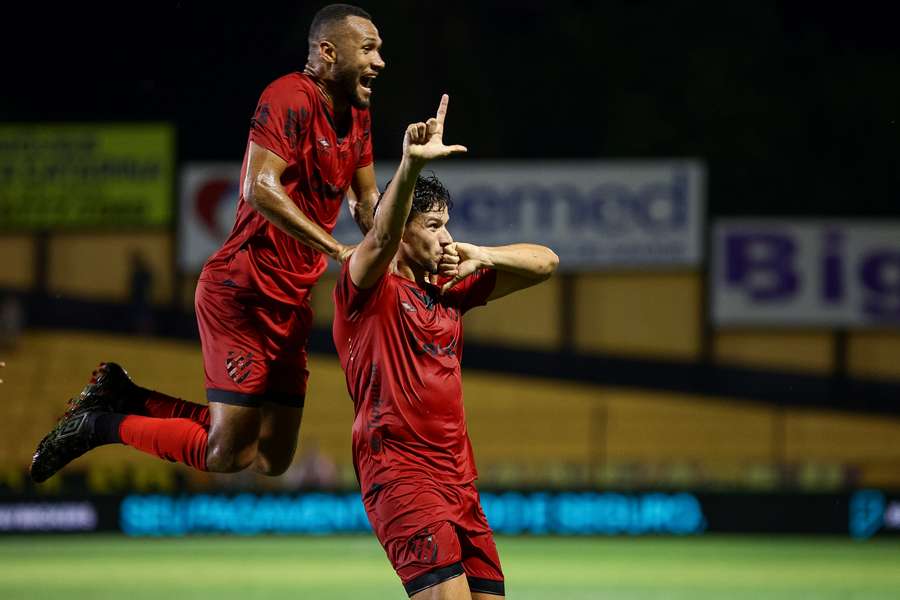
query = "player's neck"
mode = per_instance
[
  {"x": 411, "y": 272},
  {"x": 334, "y": 99}
]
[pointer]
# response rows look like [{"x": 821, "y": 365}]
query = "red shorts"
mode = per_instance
[
  {"x": 433, "y": 532},
  {"x": 254, "y": 349}
]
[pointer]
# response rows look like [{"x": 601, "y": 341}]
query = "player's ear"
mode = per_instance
[{"x": 327, "y": 52}]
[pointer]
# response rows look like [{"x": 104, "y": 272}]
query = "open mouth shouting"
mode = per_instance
[{"x": 365, "y": 81}]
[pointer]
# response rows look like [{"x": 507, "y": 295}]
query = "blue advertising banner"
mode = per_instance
[
  {"x": 861, "y": 514},
  {"x": 583, "y": 513}
]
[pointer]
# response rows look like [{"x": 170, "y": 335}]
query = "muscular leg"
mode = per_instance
[
  {"x": 233, "y": 437},
  {"x": 278, "y": 432},
  {"x": 452, "y": 589},
  {"x": 480, "y": 596}
]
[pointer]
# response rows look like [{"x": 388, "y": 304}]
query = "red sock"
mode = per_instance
[
  {"x": 166, "y": 407},
  {"x": 178, "y": 440}
]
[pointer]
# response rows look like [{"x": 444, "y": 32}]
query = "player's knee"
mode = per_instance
[
  {"x": 226, "y": 458},
  {"x": 273, "y": 464}
]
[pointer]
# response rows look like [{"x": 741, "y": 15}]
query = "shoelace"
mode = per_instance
[
  {"x": 70, "y": 408},
  {"x": 71, "y": 404}
]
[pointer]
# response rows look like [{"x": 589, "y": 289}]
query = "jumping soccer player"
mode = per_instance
[
  {"x": 399, "y": 337},
  {"x": 310, "y": 140}
]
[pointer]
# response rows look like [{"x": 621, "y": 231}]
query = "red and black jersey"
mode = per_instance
[
  {"x": 400, "y": 346},
  {"x": 293, "y": 120}
]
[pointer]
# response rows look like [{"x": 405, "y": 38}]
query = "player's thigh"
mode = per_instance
[
  {"x": 282, "y": 410},
  {"x": 278, "y": 433},
  {"x": 428, "y": 558},
  {"x": 456, "y": 588},
  {"x": 235, "y": 363},
  {"x": 286, "y": 336},
  {"x": 233, "y": 436},
  {"x": 480, "y": 558},
  {"x": 481, "y": 562}
]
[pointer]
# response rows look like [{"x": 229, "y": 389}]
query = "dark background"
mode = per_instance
[{"x": 794, "y": 106}]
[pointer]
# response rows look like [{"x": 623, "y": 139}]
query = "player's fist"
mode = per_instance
[
  {"x": 458, "y": 261},
  {"x": 449, "y": 263}
]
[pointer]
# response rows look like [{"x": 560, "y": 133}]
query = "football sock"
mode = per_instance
[
  {"x": 105, "y": 427},
  {"x": 162, "y": 406},
  {"x": 175, "y": 439}
]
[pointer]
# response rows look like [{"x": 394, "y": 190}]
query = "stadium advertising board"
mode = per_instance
[
  {"x": 872, "y": 512},
  {"x": 862, "y": 514},
  {"x": 86, "y": 176},
  {"x": 595, "y": 215},
  {"x": 805, "y": 273},
  {"x": 80, "y": 516},
  {"x": 585, "y": 513}
]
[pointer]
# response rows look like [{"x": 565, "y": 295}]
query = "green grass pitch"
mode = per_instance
[{"x": 225, "y": 568}]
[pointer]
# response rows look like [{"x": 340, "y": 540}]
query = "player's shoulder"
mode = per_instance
[
  {"x": 293, "y": 83},
  {"x": 352, "y": 301}
]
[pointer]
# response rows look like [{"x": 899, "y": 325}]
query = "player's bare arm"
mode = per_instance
[
  {"x": 263, "y": 190},
  {"x": 363, "y": 197},
  {"x": 422, "y": 142},
  {"x": 518, "y": 266}
]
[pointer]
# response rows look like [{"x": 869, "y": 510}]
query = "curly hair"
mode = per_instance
[{"x": 428, "y": 195}]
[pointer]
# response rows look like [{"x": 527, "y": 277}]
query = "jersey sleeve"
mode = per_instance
[
  {"x": 365, "y": 157},
  {"x": 474, "y": 290},
  {"x": 282, "y": 116},
  {"x": 351, "y": 301}
]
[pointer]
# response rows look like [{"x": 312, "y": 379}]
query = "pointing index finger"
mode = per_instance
[{"x": 442, "y": 109}]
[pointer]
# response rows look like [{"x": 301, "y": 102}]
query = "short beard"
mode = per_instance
[
  {"x": 347, "y": 80},
  {"x": 428, "y": 266}
]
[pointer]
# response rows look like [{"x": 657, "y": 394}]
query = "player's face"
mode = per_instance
[
  {"x": 358, "y": 60},
  {"x": 424, "y": 239}
]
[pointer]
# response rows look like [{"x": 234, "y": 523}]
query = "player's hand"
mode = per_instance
[
  {"x": 458, "y": 261},
  {"x": 425, "y": 141},
  {"x": 345, "y": 253}
]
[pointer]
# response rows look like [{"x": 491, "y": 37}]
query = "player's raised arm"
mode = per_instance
[
  {"x": 263, "y": 190},
  {"x": 518, "y": 266},
  {"x": 422, "y": 142}
]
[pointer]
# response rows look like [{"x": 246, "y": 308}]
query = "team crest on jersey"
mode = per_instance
[
  {"x": 407, "y": 306},
  {"x": 425, "y": 548},
  {"x": 324, "y": 143},
  {"x": 238, "y": 365}
]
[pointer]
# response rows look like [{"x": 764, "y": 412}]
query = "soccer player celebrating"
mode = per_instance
[
  {"x": 399, "y": 337},
  {"x": 310, "y": 140}
]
